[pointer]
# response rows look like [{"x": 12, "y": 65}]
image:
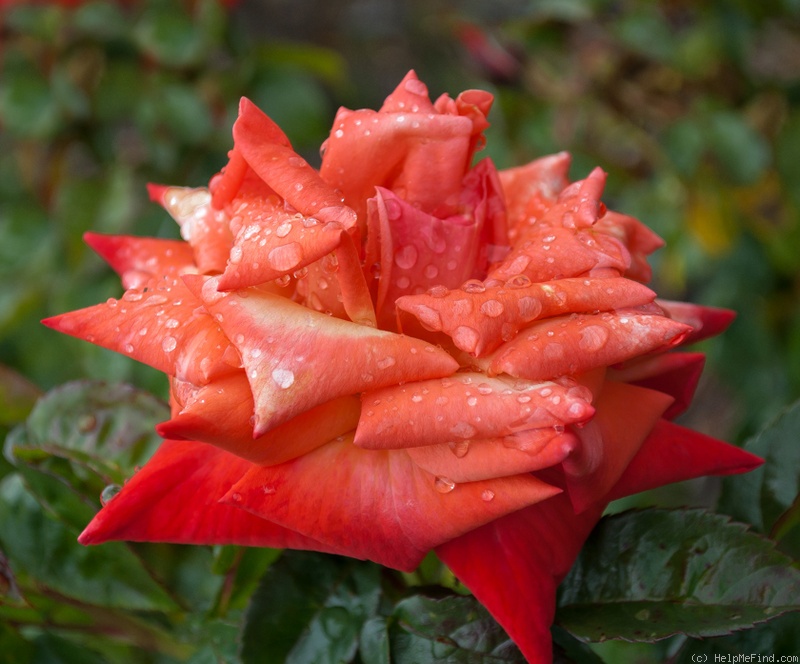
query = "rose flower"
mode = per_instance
[{"x": 402, "y": 352}]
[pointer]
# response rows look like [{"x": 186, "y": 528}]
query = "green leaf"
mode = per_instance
[
  {"x": 47, "y": 551},
  {"x": 644, "y": 575},
  {"x": 108, "y": 428},
  {"x": 374, "y": 641},
  {"x": 310, "y": 608},
  {"x": 762, "y": 496},
  {"x": 778, "y": 637},
  {"x": 453, "y": 630}
]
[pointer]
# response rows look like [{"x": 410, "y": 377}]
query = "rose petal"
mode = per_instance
[
  {"x": 138, "y": 259},
  {"x": 611, "y": 440},
  {"x": 175, "y": 498},
  {"x": 419, "y": 154},
  {"x": 161, "y": 325},
  {"x": 204, "y": 227},
  {"x": 287, "y": 173},
  {"x": 575, "y": 344},
  {"x": 273, "y": 243},
  {"x": 531, "y": 190},
  {"x": 483, "y": 459},
  {"x": 514, "y": 564},
  {"x": 419, "y": 250},
  {"x": 463, "y": 407},
  {"x": 379, "y": 504},
  {"x": 296, "y": 358},
  {"x": 676, "y": 374},
  {"x": 705, "y": 321},
  {"x": 672, "y": 453},
  {"x": 221, "y": 413},
  {"x": 480, "y": 318},
  {"x": 638, "y": 238}
]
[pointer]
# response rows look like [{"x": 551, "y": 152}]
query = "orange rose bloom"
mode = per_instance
[{"x": 402, "y": 352}]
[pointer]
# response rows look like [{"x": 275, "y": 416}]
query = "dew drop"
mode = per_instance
[
  {"x": 406, "y": 257},
  {"x": 459, "y": 448},
  {"x": 518, "y": 281},
  {"x": 487, "y": 495},
  {"x": 429, "y": 317},
  {"x": 444, "y": 484},
  {"x": 284, "y": 378},
  {"x": 109, "y": 493},
  {"x": 286, "y": 256},
  {"x": 593, "y": 338},
  {"x": 169, "y": 344},
  {"x": 386, "y": 362},
  {"x": 472, "y": 401},
  {"x": 492, "y": 308},
  {"x": 466, "y": 338},
  {"x": 172, "y": 323},
  {"x": 473, "y": 286},
  {"x": 284, "y": 229}
]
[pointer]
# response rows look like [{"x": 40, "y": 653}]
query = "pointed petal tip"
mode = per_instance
[{"x": 156, "y": 192}]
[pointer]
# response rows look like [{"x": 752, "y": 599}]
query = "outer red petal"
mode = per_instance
[
  {"x": 672, "y": 453},
  {"x": 673, "y": 373},
  {"x": 705, "y": 321},
  {"x": 514, "y": 564},
  {"x": 296, "y": 358},
  {"x": 377, "y": 505},
  {"x": 175, "y": 498},
  {"x": 221, "y": 413},
  {"x": 480, "y": 318},
  {"x": 464, "y": 407}
]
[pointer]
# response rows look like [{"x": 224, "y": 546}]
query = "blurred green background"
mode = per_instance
[{"x": 693, "y": 108}]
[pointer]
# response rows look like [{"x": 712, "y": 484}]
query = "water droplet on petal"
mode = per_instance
[
  {"x": 286, "y": 256},
  {"x": 284, "y": 229},
  {"x": 169, "y": 344},
  {"x": 438, "y": 291},
  {"x": 459, "y": 448},
  {"x": 593, "y": 338},
  {"x": 386, "y": 362},
  {"x": 518, "y": 281},
  {"x": 406, "y": 257},
  {"x": 108, "y": 494},
  {"x": 492, "y": 308},
  {"x": 487, "y": 495},
  {"x": 473, "y": 286},
  {"x": 429, "y": 317},
  {"x": 529, "y": 308},
  {"x": 444, "y": 485},
  {"x": 466, "y": 338},
  {"x": 283, "y": 377}
]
